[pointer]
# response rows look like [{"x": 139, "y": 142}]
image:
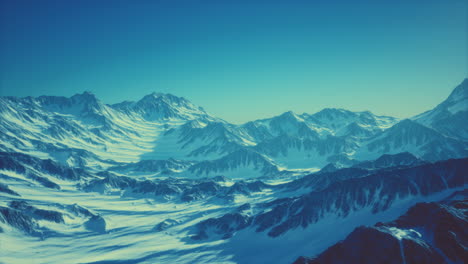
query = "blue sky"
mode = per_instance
[{"x": 240, "y": 60}]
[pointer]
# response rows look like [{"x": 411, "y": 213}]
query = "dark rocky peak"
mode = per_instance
[
  {"x": 391, "y": 160},
  {"x": 460, "y": 92},
  {"x": 409, "y": 128},
  {"x": 77, "y": 104},
  {"x": 427, "y": 233}
]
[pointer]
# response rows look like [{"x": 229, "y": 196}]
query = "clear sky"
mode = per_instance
[{"x": 240, "y": 60}]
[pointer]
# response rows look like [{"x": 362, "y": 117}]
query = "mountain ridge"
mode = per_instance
[
  {"x": 161, "y": 126},
  {"x": 162, "y": 180}
]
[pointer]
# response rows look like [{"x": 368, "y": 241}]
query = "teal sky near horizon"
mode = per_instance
[{"x": 240, "y": 60}]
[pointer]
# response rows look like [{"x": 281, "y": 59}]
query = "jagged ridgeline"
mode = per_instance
[
  {"x": 161, "y": 180},
  {"x": 185, "y": 140}
]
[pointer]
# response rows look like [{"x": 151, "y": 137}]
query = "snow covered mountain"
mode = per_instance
[
  {"x": 159, "y": 106},
  {"x": 59, "y": 127},
  {"x": 287, "y": 123},
  {"x": 450, "y": 116},
  {"x": 199, "y": 140},
  {"x": 81, "y": 131},
  {"x": 162, "y": 181},
  {"x": 341, "y": 122},
  {"x": 410, "y": 136}
]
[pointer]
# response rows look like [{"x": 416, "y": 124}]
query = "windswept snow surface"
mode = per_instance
[{"x": 131, "y": 236}]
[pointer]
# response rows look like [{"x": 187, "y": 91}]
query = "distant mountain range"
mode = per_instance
[
  {"x": 161, "y": 180},
  {"x": 81, "y": 131}
]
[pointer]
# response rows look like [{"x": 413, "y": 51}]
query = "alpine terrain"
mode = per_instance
[{"x": 161, "y": 180}]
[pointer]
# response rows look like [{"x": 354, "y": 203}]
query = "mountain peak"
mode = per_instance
[
  {"x": 164, "y": 97},
  {"x": 331, "y": 113},
  {"x": 158, "y": 106},
  {"x": 157, "y": 94},
  {"x": 465, "y": 82},
  {"x": 449, "y": 117},
  {"x": 460, "y": 92},
  {"x": 289, "y": 115},
  {"x": 333, "y": 110},
  {"x": 85, "y": 96},
  {"x": 87, "y": 93},
  {"x": 413, "y": 129},
  {"x": 407, "y": 123},
  {"x": 77, "y": 104},
  {"x": 87, "y": 99}
]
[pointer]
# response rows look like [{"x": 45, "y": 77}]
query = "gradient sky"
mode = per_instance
[{"x": 240, "y": 60}]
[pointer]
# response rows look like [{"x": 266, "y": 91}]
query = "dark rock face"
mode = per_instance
[
  {"x": 370, "y": 245},
  {"x": 224, "y": 226},
  {"x": 5, "y": 189},
  {"x": 76, "y": 210},
  {"x": 447, "y": 222},
  {"x": 96, "y": 224},
  {"x": 237, "y": 159},
  {"x": 359, "y": 189},
  {"x": 330, "y": 167},
  {"x": 404, "y": 159},
  {"x": 242, "y": 187},
  {"x": 36, "y": 213},
  {"x": 23, "y": 216},
  {"x": 111, "y": 180},
  {"x": 244, "y": 207},
  {"x": 19, "y": 220},
  {"x": 163, "y": 166},
  {"x": 378, "y": 190},
  {"x": 366, "y": 246},
  {"x": 201, "y": 190},
  {"x": 441, "y": 237},
  {"x": 418, "y": 251},
  {"x": 43, "y": 181},
  {"x": 321, "y": 180},
  {"x": 169, "y": 187},
  {"x": 186, "y": 190},
  {"x": 29, "y": 166},
  {"x": 302, "y": 260},
  {"x": 164, "y": 225}
]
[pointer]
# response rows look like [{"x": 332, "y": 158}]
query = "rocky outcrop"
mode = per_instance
[
  {"x": 5, "y": 189},
  {"x": 428, "y": 233},
  {"x": 224, "y": 226},
  {"x": 96, "y": 224}
]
